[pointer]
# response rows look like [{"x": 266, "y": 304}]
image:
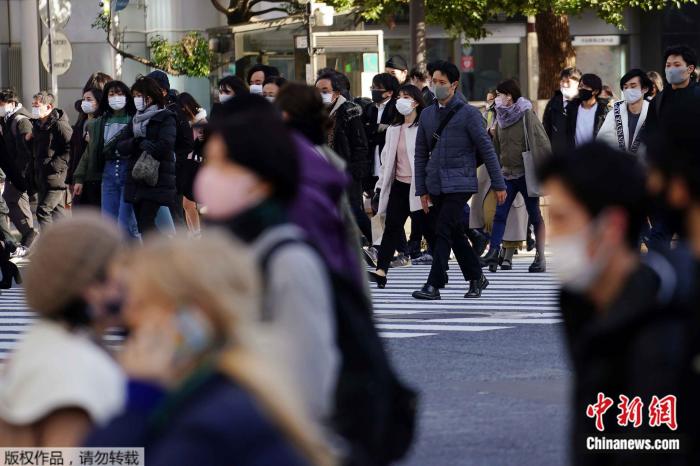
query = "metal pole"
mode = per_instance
[
  {"x": 52, "y": 34},
  {"x": 416, "y": 18},
  {"x": 310, "y": 47}
]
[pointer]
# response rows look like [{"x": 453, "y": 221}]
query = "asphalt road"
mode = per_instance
[{"x": 488, "y": 397}]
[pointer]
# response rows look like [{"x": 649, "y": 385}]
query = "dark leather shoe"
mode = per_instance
[
  {"x": 539, "y": 265},
  {"x": 380, "y": 280},
  {"x": 476, "y": 287},
  {"x": 427, "y": 292},
  {"x": 491, "y": 257}
]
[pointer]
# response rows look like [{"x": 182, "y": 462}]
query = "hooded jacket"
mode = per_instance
[
  {"x": 348, "y": 139},
  {"x": 51, "y": 139}
]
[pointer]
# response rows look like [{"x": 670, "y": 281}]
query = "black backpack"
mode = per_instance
[{"x": 373, "y": 410}]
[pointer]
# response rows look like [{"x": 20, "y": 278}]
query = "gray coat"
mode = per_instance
[{"x": 451, "y": 168}]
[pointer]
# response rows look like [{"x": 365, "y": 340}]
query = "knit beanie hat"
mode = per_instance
[{"x": 67, "y": 257}]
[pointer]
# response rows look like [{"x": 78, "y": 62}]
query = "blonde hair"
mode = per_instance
[{"x": 218, "y": 275}]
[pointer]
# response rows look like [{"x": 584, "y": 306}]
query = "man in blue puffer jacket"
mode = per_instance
[{"x": 446, "y": 176}]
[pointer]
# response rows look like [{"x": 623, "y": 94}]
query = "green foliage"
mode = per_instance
[
  {"x": 470, "y": 16},
  {"x": 190, "y": 56},
  {"x": 101, "y": 22}
]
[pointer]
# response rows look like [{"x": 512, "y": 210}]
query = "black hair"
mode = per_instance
[
  {"x": 149, "y": 87},
  {"x": 636, "y": 73},
  {"x": 97, "y": 94},
  {"x": 266, "y": 69},
  {"x": 234, "y": 83},
  {"x": 600, "y": 177},
  {"x": 593, "y": 81},
  {"x": 256, "y": 138},
  {"x": 333, "y": 78},
  {"x": 189, "y": 105},
  {"x": 98, "y": 80},
  {"x": 510, "y": 87},
  {"x": 688, "y": 54},
  {"x": 570, "y": 73},
  {"x": 417, "y": 73},
  {"x": 130, "y": 109},
  {"x": 417, "y": 95},
  {"x": 279, "y": 81},
  {"x": 450, "y": 70},
  {"x": 305, "y": 111},
  {"x": 388, "y": 82},
  {"x": 9, "y": 95}
]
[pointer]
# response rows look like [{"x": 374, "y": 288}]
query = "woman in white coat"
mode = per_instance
[
  {"x": 624, "y": 126},
  {"x": 397, "y": 183}
]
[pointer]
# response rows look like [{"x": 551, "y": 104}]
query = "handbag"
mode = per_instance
[
  {"x": 146, "y": 169},
  {"x": 533, "y": 184}
]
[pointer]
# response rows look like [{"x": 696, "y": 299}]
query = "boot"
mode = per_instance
[
  {"x": 478, "y": 241},
  {"x": 491, "y": 259},
  {"x": 540, "y": 263},
  {"x": 10, "y": 271},
  {"x": 507, "y": 262},
  {"x": 530, "y": 240}
]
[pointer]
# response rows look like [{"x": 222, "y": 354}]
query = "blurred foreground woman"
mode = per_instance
[
  {"x": 59, "y": 382},
  {"x": 196, "y": 396}
]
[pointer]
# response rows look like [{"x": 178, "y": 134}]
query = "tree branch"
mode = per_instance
[
  {"x": 131, "y": 56},
  {"x": 220, "y": 7}
]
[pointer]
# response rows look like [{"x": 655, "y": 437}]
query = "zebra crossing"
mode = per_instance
[{"x": 514, "y": 298}]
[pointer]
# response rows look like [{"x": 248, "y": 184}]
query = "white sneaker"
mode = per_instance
[{"x": 20, "y": 252}]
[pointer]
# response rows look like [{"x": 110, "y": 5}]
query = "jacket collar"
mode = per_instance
[{"x": 340, "y": 101}]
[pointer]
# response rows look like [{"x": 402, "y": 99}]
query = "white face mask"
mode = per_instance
[
  {"x": 632, "y": 95},
  {"x": 404, "y": 106},
  {"x": 88, "y": 107},
  {"x": 327, "y": 97},
  {"x": 573, "y": 266},
  {"x": 5, "y": 109},
  {"x": 37, "y": 112},
  {"x": 139, "y": 103},
  {"x": 117, "y": 102},
  {"x": 256, "y": 88},
  {"x": 570, "y": 92},
  {"x": 223, "y": 98},
  {"x": 270, "y": 98},
  {"x": 225, "y": 196}
]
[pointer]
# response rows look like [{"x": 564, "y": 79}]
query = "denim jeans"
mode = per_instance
[
  {"x": 113, "y": 204},
  {"x": 532, "y": 204}
]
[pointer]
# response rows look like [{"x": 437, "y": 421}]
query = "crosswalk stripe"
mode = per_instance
[{"x": 513, "y": 298}]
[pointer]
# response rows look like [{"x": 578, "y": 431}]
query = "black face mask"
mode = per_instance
[
  {"x": 585, "y": 94},
  {"x": 378, "y": 96}
]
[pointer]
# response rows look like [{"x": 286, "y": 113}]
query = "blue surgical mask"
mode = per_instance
[{"x": 675, "y": 74}]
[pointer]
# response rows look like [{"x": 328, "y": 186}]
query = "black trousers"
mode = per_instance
[
  {"x": 397, "y": 211},
  {"x": 146, "y": 212},
  {"x": 449, "y": 234},
  {"x": 356, "y": 204}
]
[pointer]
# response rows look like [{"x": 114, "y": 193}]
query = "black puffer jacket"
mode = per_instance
[
  {"x": 52, "y": 150},
  {"x": 18, "y": 163},
  {"x": 184, "y": 145},
  {"x": 349, "y": 140},
  {"x": 160, "y": 138}
]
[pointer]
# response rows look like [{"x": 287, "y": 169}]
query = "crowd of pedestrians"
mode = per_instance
[{"x": 229, "y": 248}]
